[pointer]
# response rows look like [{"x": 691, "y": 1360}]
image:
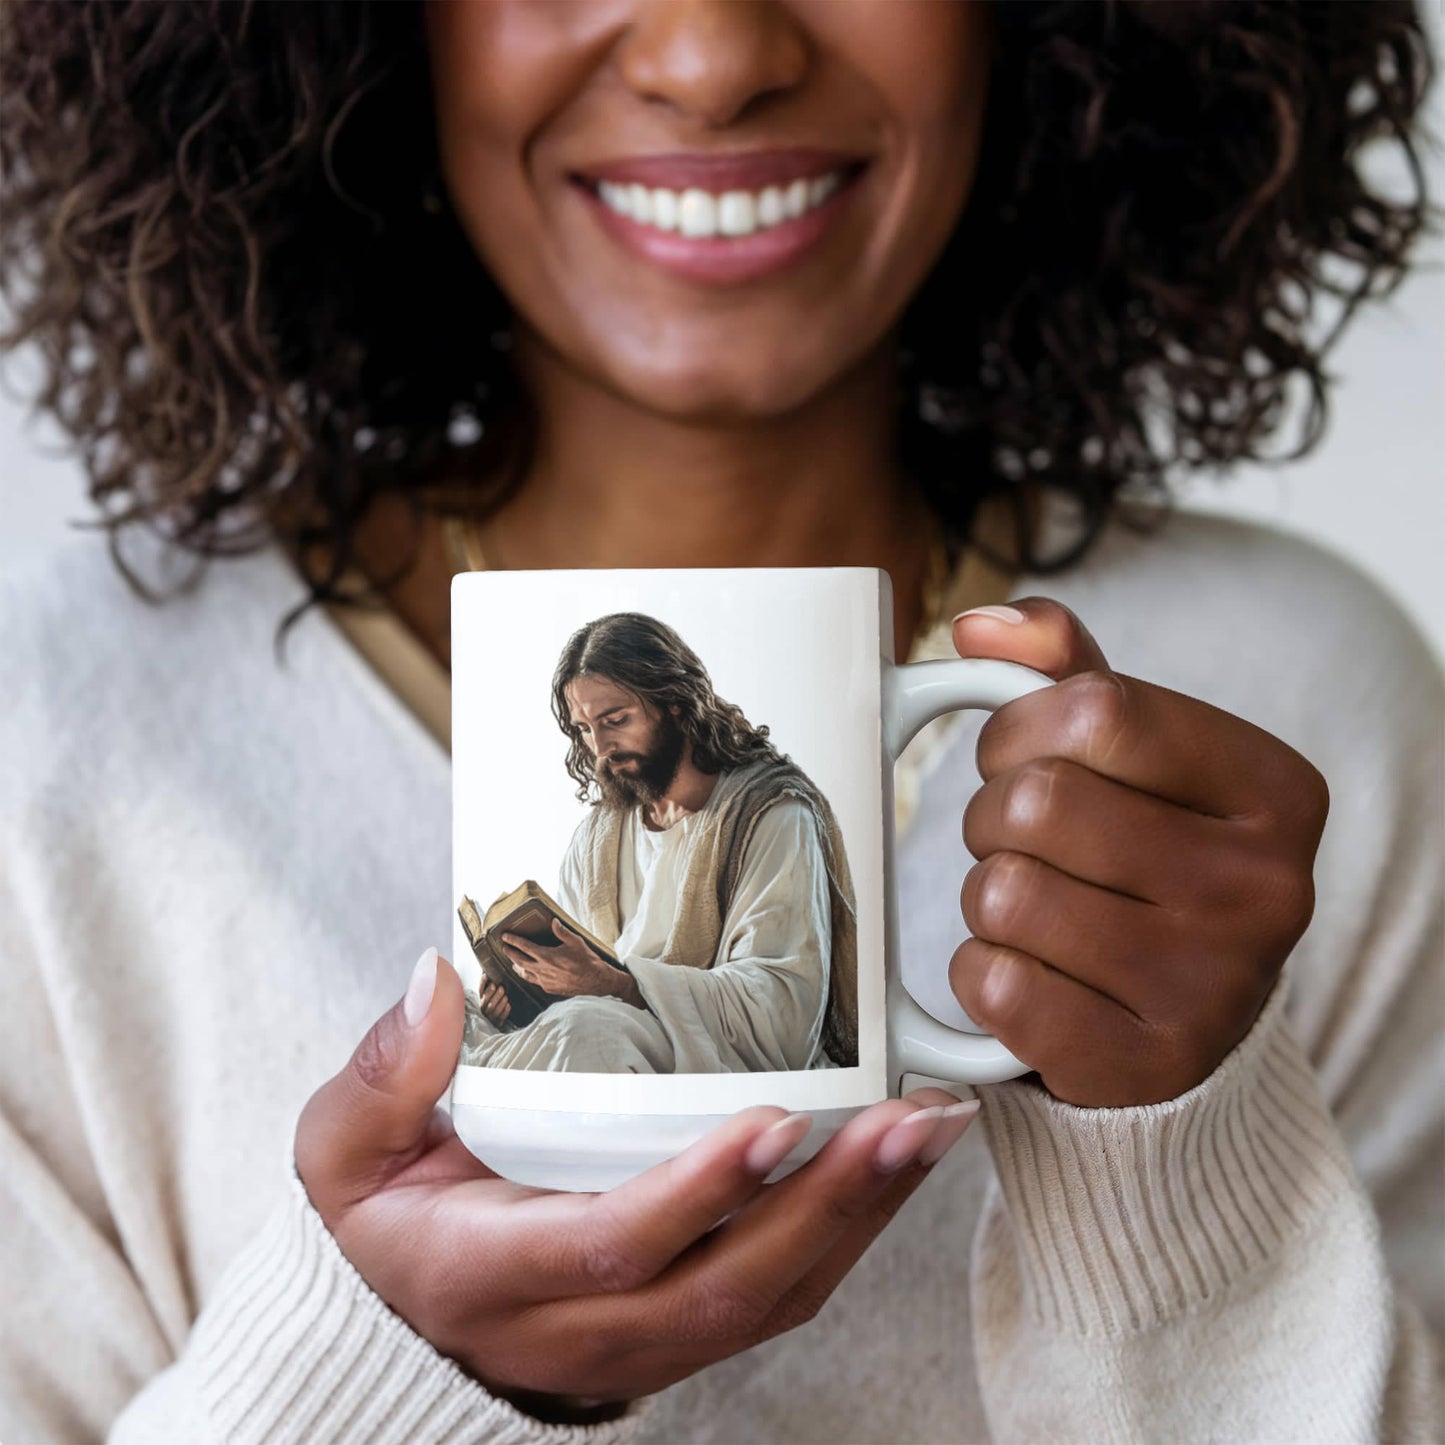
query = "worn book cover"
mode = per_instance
[{"x": 527, "y": 911}]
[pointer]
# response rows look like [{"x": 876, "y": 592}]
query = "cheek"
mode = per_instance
[
  {"x": 921, "y": 57},
  {"x": 927, "y": 63},
  {"x": 927, "y": 66},
  {"x": 500, "y": 70}
]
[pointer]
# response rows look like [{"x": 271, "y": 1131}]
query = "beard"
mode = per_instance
[{"x": 654, "y": 772}]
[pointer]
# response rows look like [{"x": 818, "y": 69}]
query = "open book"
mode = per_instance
[{"x": 527, "y": 911}]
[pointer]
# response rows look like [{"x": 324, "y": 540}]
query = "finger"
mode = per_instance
[
  {"x": 1215, "y": 763},
  {"x": 1051, "y": 639},
  {"x": 522, "y": 962},
  {"x": 729, "y": 1282},
  {"x": 727, "y": 1325},
  {"x": 1134, "y": 843},
  {"x": 522, "y": 945},
  {"x": 1133, "y": 951},
  {"x": 803, "y": 1301},
  {"x": 541, "y": 975},
  {"x": 1159, "y": 741},
  {"x": 1069, "y": 1033},
  {"x": 566, "y": 934},
  {"x": 599, "y": 1244},
  {"x": 371, "y": 1120}
]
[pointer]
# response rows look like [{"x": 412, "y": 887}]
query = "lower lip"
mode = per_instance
[{"x": 725, "y": 260}]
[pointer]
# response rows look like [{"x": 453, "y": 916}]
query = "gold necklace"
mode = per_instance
[
  {"x": 935, "y": 581},
  {"x": 465, "y": 542}
]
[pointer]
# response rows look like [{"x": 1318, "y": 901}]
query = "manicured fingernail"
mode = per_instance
[
  {"x": 903, "y": 1142},
  {"x": 419, "y": 991},
  {"x": 950, "y": 1129},
  {"x": 775, "y": 1143},
  {"x": 1003, "y": 614}
]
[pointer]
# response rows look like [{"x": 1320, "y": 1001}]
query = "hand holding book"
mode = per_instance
[
  {"x": 494, "y": 1002},
  {"x": 569, "y": 967},
  {"x": 522, "y": 927}
]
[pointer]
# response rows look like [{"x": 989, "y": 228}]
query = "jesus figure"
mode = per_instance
[{"x": 711, "y": 865}]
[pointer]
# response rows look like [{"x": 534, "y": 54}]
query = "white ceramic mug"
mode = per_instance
[{"x": 731, "y": 922}]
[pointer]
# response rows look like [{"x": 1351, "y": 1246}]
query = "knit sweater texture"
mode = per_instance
[{"x": 216, "y": 871}]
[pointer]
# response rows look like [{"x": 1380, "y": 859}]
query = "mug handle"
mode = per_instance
[{"x": 915, "y": 693}]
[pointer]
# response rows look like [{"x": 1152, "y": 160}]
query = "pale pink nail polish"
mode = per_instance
[
  {"x": 950, "y": 1129},
  {"x": 775, "y": 1143},
  {"x": 420, "y": 989},
  {"x": 1002, "y": 614},
  {"x": 903, "y": 1142}
]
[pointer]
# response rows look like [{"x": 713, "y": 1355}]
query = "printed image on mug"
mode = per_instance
[
  {"x": 668, "y": 870},
  {"x": 701, "y": 917}
]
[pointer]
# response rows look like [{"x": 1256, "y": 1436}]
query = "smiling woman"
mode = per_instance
[
  {"x": 255, "y": 382},
  {"x": 947, "y": 290}
]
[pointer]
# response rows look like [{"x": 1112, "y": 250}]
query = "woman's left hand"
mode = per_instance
[{"x": 1146, "y": 867}]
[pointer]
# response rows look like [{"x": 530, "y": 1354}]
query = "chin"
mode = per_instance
[
  {"x": 616, "y": 795},
  {"x": 729, "y": 395}
]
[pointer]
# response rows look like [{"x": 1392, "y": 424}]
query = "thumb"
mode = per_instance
[
  {"x": 1036, "y": 631},
  {"x": 374, "y": 1118},
  {"x": 562, "y": 931}
]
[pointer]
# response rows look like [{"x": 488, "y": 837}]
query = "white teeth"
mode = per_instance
[
  {"x": 695, "y": 212},
  {"x": 821, "y": 188},
  {"x": 664, "y": 210},
  {"x": 639, "y": 202},
  {"x": 737, "y": 214}
]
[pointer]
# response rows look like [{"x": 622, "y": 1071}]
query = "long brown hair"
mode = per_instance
[
  {"x": 649, "y": 659},
  {"x": 226, "y": 237}
]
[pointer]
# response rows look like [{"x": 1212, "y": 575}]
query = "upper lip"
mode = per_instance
[{"x": 740, "y": 170}]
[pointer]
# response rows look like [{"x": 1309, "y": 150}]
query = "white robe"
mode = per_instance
[{"x": 760, "y": 1006}]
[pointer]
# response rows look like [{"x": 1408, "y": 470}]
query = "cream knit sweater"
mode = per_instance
[{"x": 215, "y": 873}]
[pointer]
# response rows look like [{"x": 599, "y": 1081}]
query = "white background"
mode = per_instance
[
  {"x": 815, "y": 686},
  {"x": 1374, "y": 490}
]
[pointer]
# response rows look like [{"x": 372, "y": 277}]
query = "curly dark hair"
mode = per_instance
[
  {"x": 650, "y": 660},
  {"x": 215, "y": 232}
]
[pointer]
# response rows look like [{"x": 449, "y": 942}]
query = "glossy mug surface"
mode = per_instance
[{"x": 672, "y": 858}]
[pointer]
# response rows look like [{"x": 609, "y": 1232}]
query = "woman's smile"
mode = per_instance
[{"x": 725, "y": 219}]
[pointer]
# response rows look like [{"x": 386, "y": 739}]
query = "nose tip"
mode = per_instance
[{"x": 712, "y": 62}]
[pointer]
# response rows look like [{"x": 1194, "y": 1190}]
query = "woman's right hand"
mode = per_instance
[{"x": 570, "y": 1305}]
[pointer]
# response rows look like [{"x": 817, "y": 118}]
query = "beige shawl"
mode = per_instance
[{"x": 711, "y": 869}]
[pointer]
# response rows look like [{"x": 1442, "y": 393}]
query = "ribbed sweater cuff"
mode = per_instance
[
  {"x": 1125, "y": 1217},
  {"x": 296, "y": 1347}
]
